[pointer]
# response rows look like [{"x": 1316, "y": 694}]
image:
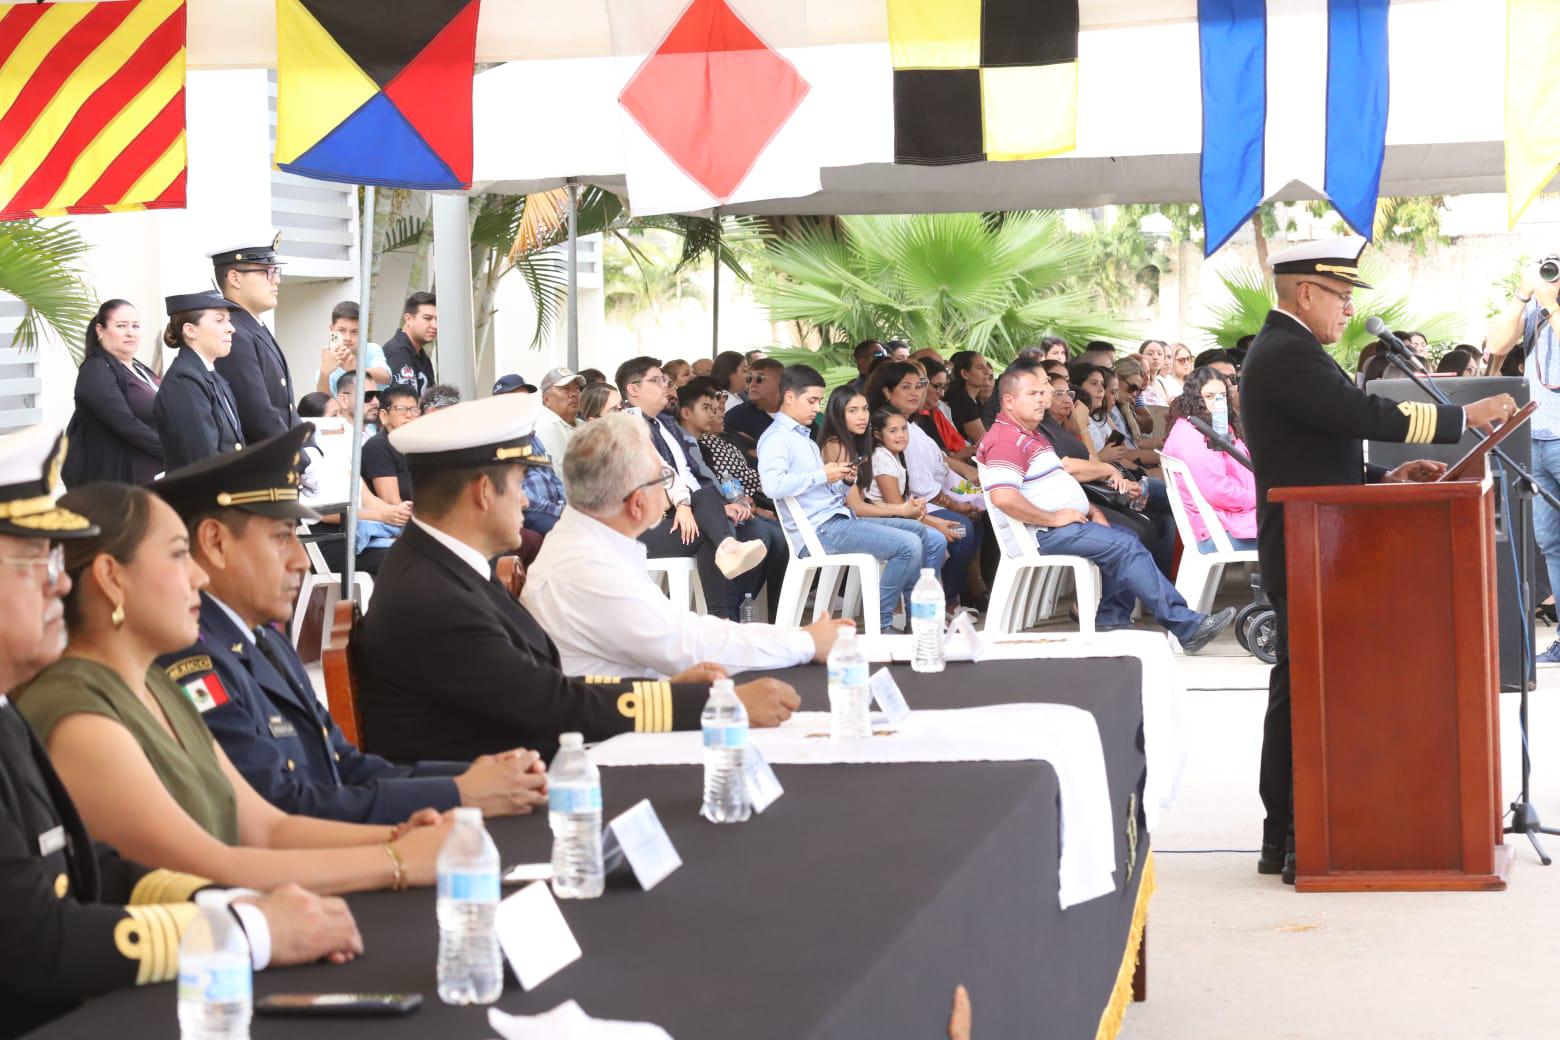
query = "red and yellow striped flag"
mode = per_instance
[{"x": 91, "y": 107}]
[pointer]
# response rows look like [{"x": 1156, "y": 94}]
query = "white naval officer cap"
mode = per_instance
[
  {"x": 259, "y": 248},
  {"x": 30, "y": 462},
  {"x": 1331, "y": 257},
  {"x": 471, "y": 434}
]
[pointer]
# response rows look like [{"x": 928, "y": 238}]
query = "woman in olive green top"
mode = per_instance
[{"x": 142, "y": 768}]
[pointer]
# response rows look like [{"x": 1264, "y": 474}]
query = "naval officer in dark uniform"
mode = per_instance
[
  {"x": 195, "y": 412},
  {"x": 241, "y": 510},
  {"x": 449, "y": 664},
  {"x": 250, "y": 276},
  {"x": 1306, "y": 424},
  {"x": 77, "y": 919}
]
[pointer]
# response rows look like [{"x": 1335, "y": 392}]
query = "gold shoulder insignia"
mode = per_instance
[
  {"x": 601, "y": 680},
  {"x": 189, "y": 666}
]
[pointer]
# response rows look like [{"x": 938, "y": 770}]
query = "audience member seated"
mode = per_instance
[
  {"x": 746, "y": 423},
  {"x": 699, "y": 367},
  {"x": 898, "y": 350},
  {"x": 700, "y": 417},
  {"x": 1224, "y": 363},
  {"x": 383, "y": 467},
  {"x": 437, "y": 396},
  {"x": 270, "y": 722},
  {"x": 592, "y": 567},
  {"x": 730, "y": 374},
  {"x": 969, "y": 374},
  {"x": 593, "y": 376},
  {"x": 1462, "y": 361},
  {"x": 318, "y": 406},
  {"x": 935, "y": 418},
  {"x": 1129, "y": 418},
  {"x": 346, "y": 399},
  {"x": 449, "y": 665},
  {"x": 1155, "y": 362},
  {"x": 598, "y": 399},
  {"x": 677, "y": 371},
  {"x": 791, "y": 466},
  {"x": 1178, "y": 366},
  {"x": 560, "y": 413},
  {"x": 885, "y": 479},
  {"x": 325, "y": 484},
  {"x": 699, "y": 526},
  {"x": 1227, "y": 485},
  {"x": 1028, "y": 483},
  {"x": 129, "y": 743}
]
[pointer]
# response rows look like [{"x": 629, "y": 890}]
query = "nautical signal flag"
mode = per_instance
[
  {"x": 1532, "y": 98},
  {"x": 91, "y": 107},
  {"x": 1293, "y": 90},
  {"x": 983, "y": 79},
  {"x": 376, "y": 93}
]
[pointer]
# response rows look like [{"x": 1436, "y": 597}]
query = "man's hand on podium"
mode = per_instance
[
  {"x": 1420, "y": 471},
  {"x": 1498, "y": 408}
]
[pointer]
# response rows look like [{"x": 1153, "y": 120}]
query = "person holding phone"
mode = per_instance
[{"x": 340, "y": 354}]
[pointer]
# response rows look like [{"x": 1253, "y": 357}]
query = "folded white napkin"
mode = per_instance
[{"x": 568, "y": 1021}]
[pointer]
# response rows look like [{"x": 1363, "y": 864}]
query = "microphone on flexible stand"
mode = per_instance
[
  {"x": 1378, "y": 328},
  {"x": 1218, "y": 440}
]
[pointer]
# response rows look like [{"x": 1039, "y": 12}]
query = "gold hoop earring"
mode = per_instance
[{"x": 117, "y": 618}]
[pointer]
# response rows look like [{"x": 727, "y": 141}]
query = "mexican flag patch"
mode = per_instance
[{"x": 206, "y": 692}]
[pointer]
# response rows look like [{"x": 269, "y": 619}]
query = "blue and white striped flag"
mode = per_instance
[{"x": 1292, "y": 90}]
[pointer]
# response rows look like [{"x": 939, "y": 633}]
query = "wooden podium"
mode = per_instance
[{"x": 1395, "y": 687}]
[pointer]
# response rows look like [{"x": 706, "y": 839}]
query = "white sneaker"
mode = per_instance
[{"x": 734, "y": 557}]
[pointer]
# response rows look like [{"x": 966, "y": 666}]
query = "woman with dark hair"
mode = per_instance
[
  {"x": 970, "y": 379},
  {"x": 1155, "y": 363},
  {"x": 318, "y": 405},
  {"x": 731, "y": 374},
  {"x": 846, "y": 436},
  {"x": 1054, "y": 348},
  {"x": 195, "y": 413},
  {"x": 128, "y": 741},
  {"x": 1461, "y": 361},
  {"x": 598, "y": 399},
  {"x": 934, "y": 416},
  {"x": 1229, "y": 487},
  {"x": 112, "y": 434}
]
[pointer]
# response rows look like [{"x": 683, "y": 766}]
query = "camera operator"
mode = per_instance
[{"x": 1528, "y": 322}]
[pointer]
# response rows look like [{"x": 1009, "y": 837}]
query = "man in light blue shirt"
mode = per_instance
[{"x": 791, "y": 466}]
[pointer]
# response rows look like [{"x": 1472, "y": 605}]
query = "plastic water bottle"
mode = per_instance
[
  {"x": 730, "y": 487},
  {"x": 471, "y": 969},
  {"x": 747, "y": 613},
  {"x": 725, "y": 723},
  {"x": 849, "y": 697},
  {"x": 574, "y": 813},
  {"x": 926, "y": 623},
  {"x": 215, "y": 974}
]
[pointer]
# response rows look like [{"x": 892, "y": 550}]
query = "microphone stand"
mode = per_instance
[{"x": 1524, "y": 814}]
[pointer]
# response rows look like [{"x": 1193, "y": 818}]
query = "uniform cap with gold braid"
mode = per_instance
[
  {"x": 30, "y": 462},
  {"x": 261, "y": 479},
  {"x": 1331, "y": 257},
  {"x": 472, "y": 434},
  {"x": 264, "y": 253}
]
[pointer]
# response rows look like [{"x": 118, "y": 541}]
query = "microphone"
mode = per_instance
[
  {"x": 1378, "y": 328},
  {"x": 1218, "y": 440}
]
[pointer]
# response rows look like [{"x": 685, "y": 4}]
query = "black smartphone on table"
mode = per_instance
[{"x": 344, "y": 1005}]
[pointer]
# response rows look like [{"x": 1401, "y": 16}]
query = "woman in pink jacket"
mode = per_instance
[{"x": 1227, "y": 485}]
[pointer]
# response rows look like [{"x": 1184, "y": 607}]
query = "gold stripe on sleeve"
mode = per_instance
[
  {"x": 656, "y": 701},
  {"x": 149, "y": 935},
  {"x": 629, "y": 707},
  {"x": 166, "y": 886}
]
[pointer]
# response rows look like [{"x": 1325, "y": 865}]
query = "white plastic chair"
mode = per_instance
[
  {"x": 320, "y": 574},
  {"x": 1029, "y": 581},
  {"x": 1197, "y": 579},
  {"x": 860, "y": 571},
  {"x": 678, "y": 577}
]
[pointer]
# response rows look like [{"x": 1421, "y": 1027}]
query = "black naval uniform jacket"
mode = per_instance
[
  {"x": 257, "y": 370},
  {"x": 266, "y": 716},
  {"x": 76, "y": 920},
  {"x": 1306, "y": 424},
  {"x": 450, "y": 666},
  {"x": 195, "y": 412}
]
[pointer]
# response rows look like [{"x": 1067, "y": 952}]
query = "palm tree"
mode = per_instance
[
  {"x": 1252, "y": 295},
  {"x": 40, "y": 265},
  {"x": 953, "y": 281}
]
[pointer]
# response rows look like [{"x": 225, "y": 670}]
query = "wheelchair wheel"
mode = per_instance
[
  {"x": 1262, "y": 636},
  {"x": 1241, "y": 617}
]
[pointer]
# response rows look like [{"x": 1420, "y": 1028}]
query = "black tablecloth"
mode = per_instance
[{"x": 850, "y": 909}]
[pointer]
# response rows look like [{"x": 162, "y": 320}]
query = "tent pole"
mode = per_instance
[
  {"x": 715, "y": 324},
  {"x": 365, "y": 274},
  {"x": 574, "y": 277},
  {"x": 452, "y": 275}
]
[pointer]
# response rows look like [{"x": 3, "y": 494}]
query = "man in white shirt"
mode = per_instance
[
  {"x": 560, "y": 412},
  {"x": 589, "y": 590}
]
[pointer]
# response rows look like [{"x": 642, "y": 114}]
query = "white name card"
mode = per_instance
[
  {"x": 638, "y": 834},
  {"x": 535, "y": 938},
  {"x": 763, "y": 787},
  {"x": 890, "y": 699}
]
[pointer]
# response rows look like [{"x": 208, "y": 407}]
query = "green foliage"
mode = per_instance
[
  {"x": 40, "y": 265},
  {"x": 639, "y": 273},
  {"x": 1414, "y": 220},
  {"x": 952, "y": 281},
  {"x": 1251, "y": 296},
  {"x": 1123, "y": 260}
]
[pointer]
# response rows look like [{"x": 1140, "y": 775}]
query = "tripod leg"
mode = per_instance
[{"x": 1543, "y": 857}]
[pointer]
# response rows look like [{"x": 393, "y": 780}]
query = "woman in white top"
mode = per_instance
[
  {"x": 1167, "y": 382},
  {"x": 1152, "y": 357}
]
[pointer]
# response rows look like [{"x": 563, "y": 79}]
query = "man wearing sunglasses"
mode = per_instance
[
  {"x": 249, "y": 275},
  {"x": 1306, "y": 424}
]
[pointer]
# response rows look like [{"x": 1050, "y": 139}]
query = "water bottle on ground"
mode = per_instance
[
  {"x": 725, "y": 723},
  {"x": 471, "y": 968},
  {"x": 926, "y": 623},
  {"x": 849, "y": 697},
  {"x": 574, "y": 813},
  {"x": 747, "y": 613},
  {"x": 215, "y": 974}
]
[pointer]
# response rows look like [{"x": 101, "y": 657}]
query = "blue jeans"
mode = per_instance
[
  {"x": 899, "y": 545},
  {"x": 960, "y": 552},
  {"x": 771, "y": 572},
  {"x": 1207, "y": 546},
  {"x": 1127, "y": 573},
  {"x": 1546, "y": 522}
]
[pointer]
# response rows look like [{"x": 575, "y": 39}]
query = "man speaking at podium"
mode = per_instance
[{"x": 1306, "y": 422}]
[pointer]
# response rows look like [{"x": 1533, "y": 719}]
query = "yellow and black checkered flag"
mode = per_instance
[{"x": 983, "y": 79}]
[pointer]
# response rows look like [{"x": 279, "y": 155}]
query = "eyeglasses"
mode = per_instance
[
  {"x": 666, "y": 480},
  {"x": 657, "y": 380},
  {"x": 1183, "y": 359},
  {"x": 53, "y": 563},
  {"x": 407, "y": 410},
  {"x": 1136, "y": 388},
  {"x": 1347, "y": 299},
  {"x": 919, "y": 384},
  {"x": 272, "y": 272},
  {"x": 939, "y": 387}
]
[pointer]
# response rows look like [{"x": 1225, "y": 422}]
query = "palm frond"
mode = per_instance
[
  {"x": 403, "y": 233},
  {"x": 40, "y": 265},
  {"x": 546, "y": 275}
]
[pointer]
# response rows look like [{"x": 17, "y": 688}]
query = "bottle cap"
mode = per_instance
[
  {"x": 927, "y": 570},
  {"x": 468, "y": 814},
  {"x": 724, "y": 685},
  {"x": 571, "y": 740}
]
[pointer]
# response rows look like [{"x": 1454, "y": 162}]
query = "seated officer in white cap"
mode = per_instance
[
  {"x": 242, "y": 511},
  {"x": 77, "y": 919},
  {"x": 449, "y": 665},
  {"x": 195, "y": 411},
  {"x": 1306, "y": 424},
  {"x": 250, "y": 275}
]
